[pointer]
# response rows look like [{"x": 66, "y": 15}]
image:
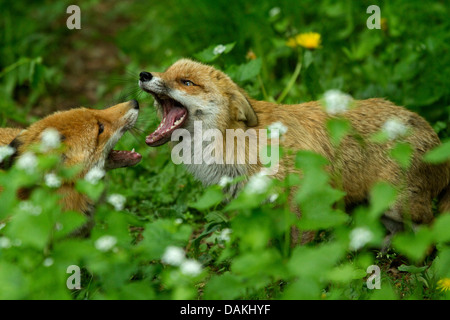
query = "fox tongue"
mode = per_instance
[{"x": 173, "y": 118}]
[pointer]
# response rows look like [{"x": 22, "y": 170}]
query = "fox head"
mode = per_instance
[
  {"x": 88, "y": 135},
  {"x": 189, "y": 91}
]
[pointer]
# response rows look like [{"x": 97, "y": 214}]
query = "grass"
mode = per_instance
[{"x": 46, "y": 67}]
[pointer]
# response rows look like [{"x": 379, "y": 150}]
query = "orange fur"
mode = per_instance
[
  {"x": 217, "y": 101},
  {"x": 86, "y": 145}
]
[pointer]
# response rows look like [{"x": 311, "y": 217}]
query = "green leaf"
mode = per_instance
[
  {"x": 382, "y": 196},
  {"x": 338, "y": 128},
  {"x": 225, "y": 287},
  {"x": 209, "y": 54},
  {"x": 412, "y": 269},
  {"x": 413, "y": 245},
  {"x": 315, "y": 262},
  {"x": 439, "y": 154},
  {"x": 162, "y": 233},
  {"x": 93, "y": 191},
  {"x": 441, "y": 228},
  {"x": 402, "y": 153},
  {"x": 212, "y": 197},
  {"x": 13, "y": 282},
  {"x": 246, "y": 71},
  {"x": 345, "y": 273}
]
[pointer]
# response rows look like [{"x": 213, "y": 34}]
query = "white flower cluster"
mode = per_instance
[
  {"x": 274, "y": 11},
  {"x": 52, "y": 180},
  {"x": 5, "y": 243},
  {"x": 48, "y": 262},
  {"x": 258, "y": 183},
  {"x": 394, "y": 128},
  {"x": 118, "y": 201},
  {"x": 191, "y": 267},
  {"x": 224, "y": 181},
  {"x": 50, "y": 139},
  {"x": 359, "y": 237},
  {"x": 224, "y": 235},
  {"x": 175, "y": 257},
  {"x": 30, "y": 208},
  {"x": 276, "y": 130},
  {"x": 6, "y": 151},
  {"x": 105, "y": 243},
  {"x": 336, "y": 101},
  {"x": 219, "y": 49},
  {"x": 273, "y": 197},
  {"x": 94, "y": 175},
  {"x": 27, "y": 162}
]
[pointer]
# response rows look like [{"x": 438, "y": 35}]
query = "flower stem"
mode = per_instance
[{"x": 291, "y": 82}]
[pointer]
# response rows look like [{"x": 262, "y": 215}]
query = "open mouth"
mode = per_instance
[
  {"x": 174, "y": 115},
  {"x": 122, "y": 158}
]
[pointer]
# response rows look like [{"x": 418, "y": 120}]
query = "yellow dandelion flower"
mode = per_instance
[
  {"x": 308, "y": 40},
  {"x": 444, "y": 284}
]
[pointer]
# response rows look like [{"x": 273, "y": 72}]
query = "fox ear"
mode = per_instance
[
  {"x": 244, "y": 110},
  {"x": 8, "y": 161}
]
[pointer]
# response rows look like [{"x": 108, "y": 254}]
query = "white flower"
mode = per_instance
[
  {"x": 52, "y": 180},
  {"x": 30, "y": 208},
  {"x": 394, "y": 128},
  {"x": 191, "y": 268},
  {"x": 178, "y": 221},
  {"x": 27, "y": 162},
  {"x": 336, "y": 101},
  {"x": 224, "y": 181},
  {"x": 277, "y": 129},
  {"x": 225, "y": 235},
  {"x": 359, "y": 237},
  {"x": 5, "y": 243},
  {"x": 48, "y": 262},
  {"x": 118, "y": 201},
  {"x": 105, "y": 243},
  {"x": 273, "y": 197},
  {"x": 94, "y": 175},
  {"x": 6, "y": 151},
  {"x": 50, "y": 139},
  {"x": 219, "y": 49},
  {"x": 258, "y": 183},
  {"x": 173, "y": 256},
  {"x": 274, "y": 11}
]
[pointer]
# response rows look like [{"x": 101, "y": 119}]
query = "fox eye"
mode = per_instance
[
  {"x": 101, "y": 128},
  {"x": 188, "y": 83}
]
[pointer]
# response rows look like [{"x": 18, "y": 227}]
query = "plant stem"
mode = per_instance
[
  {"x": 263, "y": 89},
  {"x": 291, "y": 82}
]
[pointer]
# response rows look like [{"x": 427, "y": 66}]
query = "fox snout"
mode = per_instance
[
  {"x": 145, "y": 76},
  {"x": 89, "y": 136},
  {"x": 189, "y": 91}
]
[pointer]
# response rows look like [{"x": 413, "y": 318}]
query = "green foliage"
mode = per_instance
[{"x": 238, "y": 249}]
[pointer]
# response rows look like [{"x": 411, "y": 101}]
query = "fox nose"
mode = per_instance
[
  {"x": 145, "y": 76},
  {"x": 135, "y": 104}
]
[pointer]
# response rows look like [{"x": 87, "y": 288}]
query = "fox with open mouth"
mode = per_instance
[
  {"x": 190, "y": 91},
  {"x": 89, "y": 137}
]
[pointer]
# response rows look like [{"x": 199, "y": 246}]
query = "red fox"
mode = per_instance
[
  {"x": 89, "y": 137},
  {"x": 189, "y": 91}
]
